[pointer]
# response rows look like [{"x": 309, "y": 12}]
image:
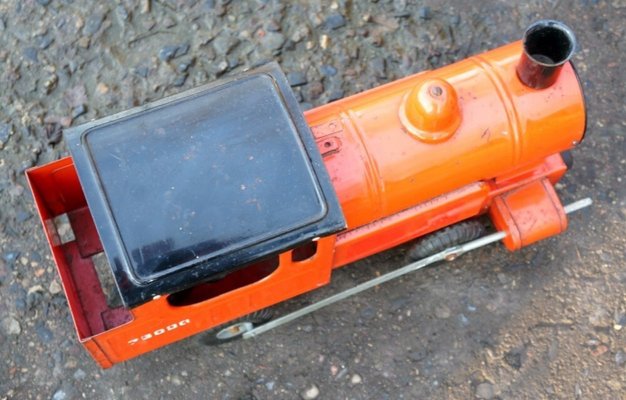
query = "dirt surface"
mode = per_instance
[{"x": 545, "y": 322}]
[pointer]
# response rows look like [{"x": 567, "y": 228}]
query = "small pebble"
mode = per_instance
[
  {"x": 59, "y": 395},
  {"x": 121, "y": 12},
  {"x": 335, "y": 21},
  {"x": 417, "y": 355},
  {"x": 44, "y": 334},
  {"x": 356, "y": 379},
  {"x": 54, "y": 287},
  {"x": 93, "y": 23},
  {"x": 311, "y": 393},
  {"x": 79, "y": 374},
  {"x": 485, "y": 391},
  {"x": 224, "y": 44},
  {"x": 45, "y": 41},
  {"x": 6, "y": 130},
  {"x": 273, "y": 40},
  {"x": 315, "y": 89},
  {"x": 424, "y": 13},
  {"x": 296, "y": 78},
  {"x": 10, "y": 326},
  {"x": 102, "y": 88},
  {"x": 442, "y": 311},
  {"x": 180, "y": 80},
  {"x": 328, "y": 70},
  {"x": 31, "y": 53},
  {"x": 78, "y": 111},
  {"x": 514, "y": 358},
  {"x": 173, "y": 51},
  {"x": 336, "y": 94},
  {"x": 183, "y": 65},
  {"x": 22, "y": 216},
  {"x": 221, "y": 67},
  {"x": 141, "y": 71},
  {"x": 620, "y": 358}
]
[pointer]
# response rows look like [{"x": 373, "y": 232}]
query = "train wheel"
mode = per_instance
[
  {"x": 440, "y": 240},
  {"x": 235, "y": 329}
]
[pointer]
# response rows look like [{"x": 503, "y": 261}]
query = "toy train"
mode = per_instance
[{"x": 224, "y": 200}]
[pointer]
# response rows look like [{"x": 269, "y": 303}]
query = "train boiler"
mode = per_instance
[{"x": 202, "y": 210}]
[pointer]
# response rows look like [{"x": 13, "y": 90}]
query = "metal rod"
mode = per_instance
[
  {"x": 448, "y": 254},
  {"x": 577, "y": 205}
]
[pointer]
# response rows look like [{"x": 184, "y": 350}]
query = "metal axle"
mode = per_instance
[{"x": 448, "y": 254}]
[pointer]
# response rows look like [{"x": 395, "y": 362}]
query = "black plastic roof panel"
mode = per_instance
[{"x": 201, "y": 183}]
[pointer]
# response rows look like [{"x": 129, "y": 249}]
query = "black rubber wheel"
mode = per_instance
[
  {"x": 235, "y": 329},
  {"x": 440, "y": 240}
]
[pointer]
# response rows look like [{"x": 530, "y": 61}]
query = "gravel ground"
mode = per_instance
[{"x": 545, "y": 322}]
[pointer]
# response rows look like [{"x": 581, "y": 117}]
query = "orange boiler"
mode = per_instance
[{"x": 202, "y": 210}]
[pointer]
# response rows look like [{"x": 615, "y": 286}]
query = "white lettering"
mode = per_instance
[{"x": 159, "y": 331}]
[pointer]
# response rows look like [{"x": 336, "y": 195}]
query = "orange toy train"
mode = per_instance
[{"x": 217, "y": 203}]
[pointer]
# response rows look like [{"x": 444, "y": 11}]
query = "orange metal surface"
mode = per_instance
[
  {"x": 505, "y": 128},
  {"x": 56, "y": 190},
  {"x": 405, "y": 159},
  {"x": 528, "y": 214}
]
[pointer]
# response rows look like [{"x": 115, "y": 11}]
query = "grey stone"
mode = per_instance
[
  {"x": 224, "y": 44},
  {"x": 44, "y": 334},
  {"x": 78, "y": 111},
  {"x": 620, "y": 358},
  {"x": 417, "y": 355},
  {"x": 79, "y": 374},
  {"x": 425, "y": 13},
  {"x": 22, "y": 216},
  {"x": 272, "y": 26},
  {"x": 141, "y": 71},
  {"x": 180, "y": 80},
  {"x": 442, "y": 311},
  {"x": 311, "y": 393},
  {"x": 173, "y": 51},
  {"x": 6, "y": 130},
  {"x": 485, "y": 391},
  {"x": 122, "y": 12},
  {"x": 377, "y": 66},
  {"x": 233, "y": 61},
  {"x": 183, "y": 65},
  {"x": 399, "y": 5},
  {"x": 273, "y": 40},
  {"x": 93, "y": 23},
  {"x": 19, "y": 296},
  {"x": 45, "y": 41},
  {"x": 59, "y": 395},
  {"x": 328, "y": 70},
  {"x": 335, "y": 94},
  {"x": 10, "y": 326},
  {"x": 296, "y": 78},
  {"x": 514, "y": 358},
  {"x": 31, "y": 53},
  {"x": 305, "y": 106},
  {"x": 334, "y": 21},
  {"x": 399, "y": 302}
]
